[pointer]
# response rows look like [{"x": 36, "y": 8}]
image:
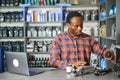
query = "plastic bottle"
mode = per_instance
[
  {"x": 39, "y": 43},
  {"x": 29, "y": 33},
  {"x": 48, "y": 32},
  {"x": 58, "y": 30},
  {"x": 39, "y": 62},
  {"x": 40, "y": 32},
  {"x": 21, "y": 32},
  {"x": 69, "y": 68},
  {"x": 35, "y": 46},
  {"x": 11, "y": 2},
  {"x": 44, "y": 47},
  {"x": 43, "y": 32},
  {"x": 1, "y": 31},
  {"x": 54, "y": 32},
  {"x": 3, "y": 3},
  {"x": 96, "y": 31},
  {"x": 34, "y": 32},
  {"x": 1, "y": 17},
  {"x": 93, "y": 15},
  {"x": 5, "y": 32},
  {"x": 15, "y": 31}
]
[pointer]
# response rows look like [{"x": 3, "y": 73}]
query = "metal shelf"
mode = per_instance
[
  {"x": 112, "y": 17},
  {"x": 103, "y": 37},
  {"x": 39, "y": 37},
  {"x": 38, "y": 52},
  {"x": 118, "y": 46},
  {"x": 10, "y": 8},
  {"x": 44, "y": 23},
  {"x": 11, "y": 24},
  {"x": 111, "y": 38},
  {"x": 81, "y": 7},
  {"x": 11, "y": 39},
  {"x": 46, "y": 6},
  {"x": 103, "y": 19}
]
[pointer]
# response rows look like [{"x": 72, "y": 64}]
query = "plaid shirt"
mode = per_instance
[{"x": 68, "y": 50}]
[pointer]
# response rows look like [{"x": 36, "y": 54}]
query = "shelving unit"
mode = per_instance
[
  {"x": 111, "y": 34},
  {"x": 12, "y": 28},
  {"x": 118, "y": 31},
  {"x": 111, "y": 18},
  {"x": 102, "y": 22}
]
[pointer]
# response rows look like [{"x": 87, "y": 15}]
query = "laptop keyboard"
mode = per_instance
[{"x": 31, "y": 71}]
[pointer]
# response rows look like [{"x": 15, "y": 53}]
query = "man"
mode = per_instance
[{"x": 73, "y": 46}]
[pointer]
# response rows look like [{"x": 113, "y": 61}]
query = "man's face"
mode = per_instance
[{"x": 75, "y": 26}]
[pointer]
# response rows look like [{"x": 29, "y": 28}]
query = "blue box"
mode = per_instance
[
  {"x": 101, "y": 1},
  {"x": 1, "y": 60}
]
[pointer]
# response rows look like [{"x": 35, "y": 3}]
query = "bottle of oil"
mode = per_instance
[
  {"x": 43, "y": 32},
  {"x": 34, "y": 32},
  {"x": 15, "y": 31},
  {"x": 5, "y": 32},
  {"x": 29, "y": 33},
  {"x": 1, "y": 17},
  {"x": 16, "y": 2},
  {"x": 47, "y": 62},
  {"x": 3, "y": 3},
  {"x": 43, "y": 62},
  {"x": 21, "y": 32},
  {"x": 58, "y": 30},
  {"x": 1, "y": 31},
  {"x": 11, "y": 2},
  {"x": 39, "y": 62},
  {"x": 10, "y": 31},
  {"x": 44, "y": 48},
  {"x": 54, "y": 32},
  {"x": 40, "y": 44}
]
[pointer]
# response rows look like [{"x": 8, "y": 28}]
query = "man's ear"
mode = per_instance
[{"x": 68, "y": 24}]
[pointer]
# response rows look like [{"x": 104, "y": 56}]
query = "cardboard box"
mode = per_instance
[{"x": 75, "y": 2}]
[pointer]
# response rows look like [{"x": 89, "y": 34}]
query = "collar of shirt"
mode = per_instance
[{"x": 72, "y": 36}]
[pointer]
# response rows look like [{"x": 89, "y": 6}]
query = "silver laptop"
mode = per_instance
[{"x": 17, "y": 63}]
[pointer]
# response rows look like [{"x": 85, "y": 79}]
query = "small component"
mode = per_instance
[
  {"x": 85, "y": 69},
  {"x": 98, "y": 71},
  {"x": 74, "y": 72},
  {"x": 69, "y": 68}
]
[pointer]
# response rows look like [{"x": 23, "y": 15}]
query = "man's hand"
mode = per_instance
[{"x": 79, "y": 63}]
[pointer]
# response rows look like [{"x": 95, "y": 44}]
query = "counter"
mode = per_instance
[{"x": 55, "y": 74}]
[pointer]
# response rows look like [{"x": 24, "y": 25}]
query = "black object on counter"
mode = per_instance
[
  {"x": 117, "y": 69},
  {"x": 98, "y": 71}
]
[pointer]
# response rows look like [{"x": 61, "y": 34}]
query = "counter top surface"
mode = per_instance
[{"x": 55, "y": 74}]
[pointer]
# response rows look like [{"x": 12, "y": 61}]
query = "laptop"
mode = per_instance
[{"x": 17, "y": 63}]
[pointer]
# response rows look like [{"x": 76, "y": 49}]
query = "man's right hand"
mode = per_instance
[{"x": 79, "y": 63}]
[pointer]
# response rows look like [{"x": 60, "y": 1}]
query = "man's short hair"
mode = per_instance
[{"x": 71, "y": 15}]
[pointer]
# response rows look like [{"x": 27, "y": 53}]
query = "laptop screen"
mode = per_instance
[{"x": 17, "y": 62}]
